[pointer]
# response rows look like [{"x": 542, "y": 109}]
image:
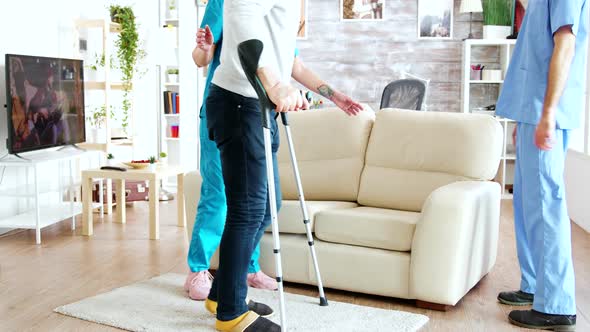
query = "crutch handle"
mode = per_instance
[{"x": 249, "y": 53}]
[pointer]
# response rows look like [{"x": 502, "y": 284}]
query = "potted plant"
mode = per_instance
[
  {"x": 153, "y": 162},
  {"x": 172, "y": 12},
  {"x": 172, "y": 75},
  {"x": 497, "y": 19},
  {"x": 163, "y": 158},
  {"x": 129, "y": 52},
  {"x": 110, "y": 159},
  {"x": 92, "y": 74},
  {"x": 97, "y": 120}
]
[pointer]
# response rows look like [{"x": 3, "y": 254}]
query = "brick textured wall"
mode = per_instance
[{"x": 360, "y": 58}]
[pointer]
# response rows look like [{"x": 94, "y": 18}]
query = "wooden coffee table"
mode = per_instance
[{"x": 153, "y": 178}]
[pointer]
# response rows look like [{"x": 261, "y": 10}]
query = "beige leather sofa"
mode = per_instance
[{"x": 400, "y": 202}]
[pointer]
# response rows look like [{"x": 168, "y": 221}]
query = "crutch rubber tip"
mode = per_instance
[{"x": 323, "y": 302}]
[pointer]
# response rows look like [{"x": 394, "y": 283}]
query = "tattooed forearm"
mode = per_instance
[{"x": 326, "y": 91}]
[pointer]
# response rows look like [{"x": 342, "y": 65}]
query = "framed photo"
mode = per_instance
[
  {"x": 435, "y": 19},
  {"x": 302, "y": 32},
  {"x": 361, "y": 10}
]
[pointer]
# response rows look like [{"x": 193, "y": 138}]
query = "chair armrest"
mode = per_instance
[
  {"x": 455, "y": 242},
  {"x": 192, "y": 194}
]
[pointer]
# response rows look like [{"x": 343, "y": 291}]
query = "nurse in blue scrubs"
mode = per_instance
[{"x": 544, "y": 93}]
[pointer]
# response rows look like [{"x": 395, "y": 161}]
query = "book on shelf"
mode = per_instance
[
  {"x": 173, "y": 96},
  {"x": 171, "y": 100}
]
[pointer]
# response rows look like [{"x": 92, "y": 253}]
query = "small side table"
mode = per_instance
[{"x": 153, "y": 177}]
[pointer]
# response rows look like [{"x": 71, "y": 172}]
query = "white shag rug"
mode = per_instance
[{"x": 160, "y": 304}]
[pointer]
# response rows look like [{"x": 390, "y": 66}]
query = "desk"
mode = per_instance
[{"x": 153, "y": 178}]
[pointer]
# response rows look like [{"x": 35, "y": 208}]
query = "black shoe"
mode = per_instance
[
  {"x": 260, "y": 308},
  {"x": 518, "y": 298},
  {"x": 532, "y": 319},
  {"x": 263, "y": 325}
]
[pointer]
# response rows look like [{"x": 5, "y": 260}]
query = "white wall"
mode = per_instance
[
  {"x": 577, "y": 184},
  {"x": 46, "y": 28}
]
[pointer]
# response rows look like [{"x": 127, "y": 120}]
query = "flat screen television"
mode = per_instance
[{"x": 45, "y": 101}]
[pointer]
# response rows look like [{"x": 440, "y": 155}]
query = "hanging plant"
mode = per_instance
[{"x": 129, "y": 52}]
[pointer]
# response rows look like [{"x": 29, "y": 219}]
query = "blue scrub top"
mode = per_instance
[
  {"x": 213, "y": 17},
  {"x": 523, "y": 93}
]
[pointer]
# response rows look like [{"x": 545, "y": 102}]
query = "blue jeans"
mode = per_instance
[
  {"x": 235, "y": 124},
  {"x": 212, "y": 210}
]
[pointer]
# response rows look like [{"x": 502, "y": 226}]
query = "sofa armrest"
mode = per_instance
[
  {"x": 192, "y": 194},
  {"x": 455, "y": 242}
]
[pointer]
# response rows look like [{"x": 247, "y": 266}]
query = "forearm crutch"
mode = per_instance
[{"x": 249, "y": 54}]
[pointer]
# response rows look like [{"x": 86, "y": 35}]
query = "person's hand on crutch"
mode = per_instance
[{"x": 286, "y": 97}]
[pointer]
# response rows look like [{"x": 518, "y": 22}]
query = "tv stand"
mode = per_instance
[{"x": 43, "y": 189}]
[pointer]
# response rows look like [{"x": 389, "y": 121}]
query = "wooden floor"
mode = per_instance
[{"x": 68, "y": 267}]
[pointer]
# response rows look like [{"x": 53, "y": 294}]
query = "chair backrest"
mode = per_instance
[{"x": 404, "y": 94}]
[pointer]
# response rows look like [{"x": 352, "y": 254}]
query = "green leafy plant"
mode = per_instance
[
  {"x": 129, "y": 53},
  {"x": 497, "y": 12},
  {"x": 152, "y": 160},
  {"x": 172, "y": 71},
  {"x": 172, "y": 5},
  {"x": 98, "y": 117},
  {"x": 163, "y": 155},
  {"x": 99, "y": 62},
  {"x": 110, "y": 156}
]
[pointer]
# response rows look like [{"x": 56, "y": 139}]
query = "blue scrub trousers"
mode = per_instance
[
  {"x": 542, "y": 224},
  {"x": 212, "y": 208}
]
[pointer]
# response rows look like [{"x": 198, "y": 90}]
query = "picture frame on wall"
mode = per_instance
[
  {"x": 435, "y": 19},
  {"x": 361, "y": 10},
  {"x": 302, "y": 31}
]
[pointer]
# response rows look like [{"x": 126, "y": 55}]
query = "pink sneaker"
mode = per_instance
[
  {"x": 262, "y": 281},
  {"x": 198, "y": 284}
]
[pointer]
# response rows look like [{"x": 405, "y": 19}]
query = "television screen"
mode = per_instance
[{"x": 45, "y": 99}]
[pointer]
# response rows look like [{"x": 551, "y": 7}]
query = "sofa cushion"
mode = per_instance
[
  {"x": 368, "y": 227},
  {"x": 291, "y": 218},
  {"x": 330, "y": 148},
  {"x": 410, "y": 154}
]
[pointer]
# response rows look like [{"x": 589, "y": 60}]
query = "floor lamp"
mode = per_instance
[{"x": 471, "y": 6}]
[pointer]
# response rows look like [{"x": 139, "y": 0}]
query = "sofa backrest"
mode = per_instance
[
  {"x": 330, "y": 148},
  {"x": 410, "y": 154}
]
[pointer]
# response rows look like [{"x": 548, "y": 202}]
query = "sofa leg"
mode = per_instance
[{"x": 432, "y": 306}]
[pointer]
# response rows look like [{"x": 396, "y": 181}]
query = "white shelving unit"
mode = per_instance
[
  {"x": 506, "y": 48},
  {"x": 109, "y": 29},
  {"x": 182, "y": 150},
  {"x": 49, "y": 200}
]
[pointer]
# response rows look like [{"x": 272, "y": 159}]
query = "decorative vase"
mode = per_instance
[
  {"x": 152, "y": 167},
  {"x": 173, "y": 14},
  {"x": 172, "y": 78},
  {"x": 496, "y": 31},
  {"x": 111, "y": 162},
  {"x": 163, "y": 161}
]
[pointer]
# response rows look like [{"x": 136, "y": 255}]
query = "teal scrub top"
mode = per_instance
[
  {"x": 523, "y": 93},
  {"x": 213, "y": 17}
]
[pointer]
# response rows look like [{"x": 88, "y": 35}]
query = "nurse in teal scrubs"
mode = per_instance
[
  {"x": 544, "y": 93},
  {"x": 211, "y": 211}
]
